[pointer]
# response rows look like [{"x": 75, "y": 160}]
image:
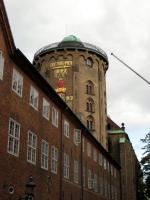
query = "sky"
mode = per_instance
[{"x": 120, "y": 26}]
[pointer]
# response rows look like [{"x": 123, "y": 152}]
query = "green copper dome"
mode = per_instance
[{"x": 71, "y": 38}]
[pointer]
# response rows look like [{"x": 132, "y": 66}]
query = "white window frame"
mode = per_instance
[
  {"x": 54, "y": 159},
  {"x": 90, "y": 181},
  {"x": 76, "y": 171},
  {"x": 66, "y": 129},
  {"x": 17, "y": 82},
  {"x": 46, "y": 109},
  {"x": 100, "y": 159},
  {"x": 66, "y": 165},
  {"x": 77, "y": 136},
  {"x": 89, "y": 149},
  {"x": 13, "y": 137},
  {"x": 34, "y": 97},
  {"x": 1, "y": 65},
  {"x": 54, "y": 117},
  {"x": 44, "y": 154},
  {"x": 95, "y": 183},
  {"x": 83, "y": 144},
  {"x": 95, "y": 155},
  {"x": 105, "y": 163},
  {"x": 84, "y": 172},
  {"x": 31, "y": 147}
]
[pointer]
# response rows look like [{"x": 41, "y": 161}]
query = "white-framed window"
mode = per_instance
[
  {"x": 31, "y": 147},
  {"x": 105, "y": 163},
  {"x": 90, "y": 181},
  {"x": 34, "y": 97},
  {"x": 44, "y": 154},
  {"x": 76, "y": 171},
  {"x": 46, "y": 109},
  {"x": 84, "y": 172},
  {"x": 66, "y": 166},
  {"x": 1, "y": 65},
  {"x": 54, "y": 117},
  {"x": 83, "y": 144},
  {"x": 89, "y": 149},
  {"x": 100, "y": 159},
  {"x": 111, "y": 170},
  {"x": 77, "y": 136},
  {"x": 54, "y": 159},
  {"x": 95, "y": 185},
  {"x": 17, "y": 82},
  {"x": 101, "y": 185},
  {"x": 95, "y": 155},
  {"x": 13, "y": 137},
  {"x": 66, "y": 129}
]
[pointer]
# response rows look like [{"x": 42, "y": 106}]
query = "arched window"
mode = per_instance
[
  {"x": 89, "y": 88},
  {"x": 90, "y": 123},
  {"x": 90, "y": 106},
  {"x": 89, "y": 62}
]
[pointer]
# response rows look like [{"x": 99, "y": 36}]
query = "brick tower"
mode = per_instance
[{"x": 76, "y": 70}]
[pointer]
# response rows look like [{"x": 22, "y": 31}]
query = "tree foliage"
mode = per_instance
[{"x": 145, "y": 162}]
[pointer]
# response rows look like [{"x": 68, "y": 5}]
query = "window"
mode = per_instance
[
  {"x": 13, "y": 137},
  {"x": 95, "y": 183},
  {"x": 76, "y": 171},
  {"x": 54, "y": 159},
  {"x": 77, "y": 136},
  {"x": 1, "y": 65},
  {"x": 44, "y": 154},
  {"x": 90, "y": 106},
  {"x": 101, "y": 187},
  {"x": 54, "y": 117},
  {"x": 95, "y": 155},
  {"x": 89, "y": 149},
  {"x": 105, "y": 163},
  {"x": 83, "y": 144},
  {"x": 31, "y": 147},
  {"x": 89, "y": 62},
  {"x": 89, "y": 88},
  {"x": 90, "y": 181},
  {"x": 100, "y": 159},
  {"x": 66, "y": 129},
  {"x": 17, "y": 82},
  {"x": 66, "y": 166},
  {"x": 84, "y": 176},
  {"x": 46, "y": 108},
  {"x": 111, "y": 170},
  {"x": 34, "y": 95},
  {"x": 90, "y": 123}
]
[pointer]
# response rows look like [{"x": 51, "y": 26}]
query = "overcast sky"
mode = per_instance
[{"x": 120, "y": 26}]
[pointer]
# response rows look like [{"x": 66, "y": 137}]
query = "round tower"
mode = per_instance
[{"x": 76, "y": 70}]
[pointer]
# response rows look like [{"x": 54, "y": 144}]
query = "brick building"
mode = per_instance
[
  {"x": 42, "y": 138},
  {"x": 122, "y": 151},
  {"x": 76, "y": 70}
]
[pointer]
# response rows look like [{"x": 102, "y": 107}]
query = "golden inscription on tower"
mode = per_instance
[{"x": 60, "y": 68}]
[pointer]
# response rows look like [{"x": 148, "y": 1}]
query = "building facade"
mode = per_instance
[
  {"x": 122, "y": 151},
  {"x": 42, "y": 138},
  {"x": 76, "y": 70}
]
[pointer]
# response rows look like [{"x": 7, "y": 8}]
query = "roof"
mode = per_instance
[
  {"x": 73, "y": 43},
  {"x": 6, "y": 28},
  {"x": 116, "y": 131}
]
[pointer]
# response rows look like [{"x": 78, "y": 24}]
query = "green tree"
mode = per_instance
[{"x": 145, "y": 162}]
